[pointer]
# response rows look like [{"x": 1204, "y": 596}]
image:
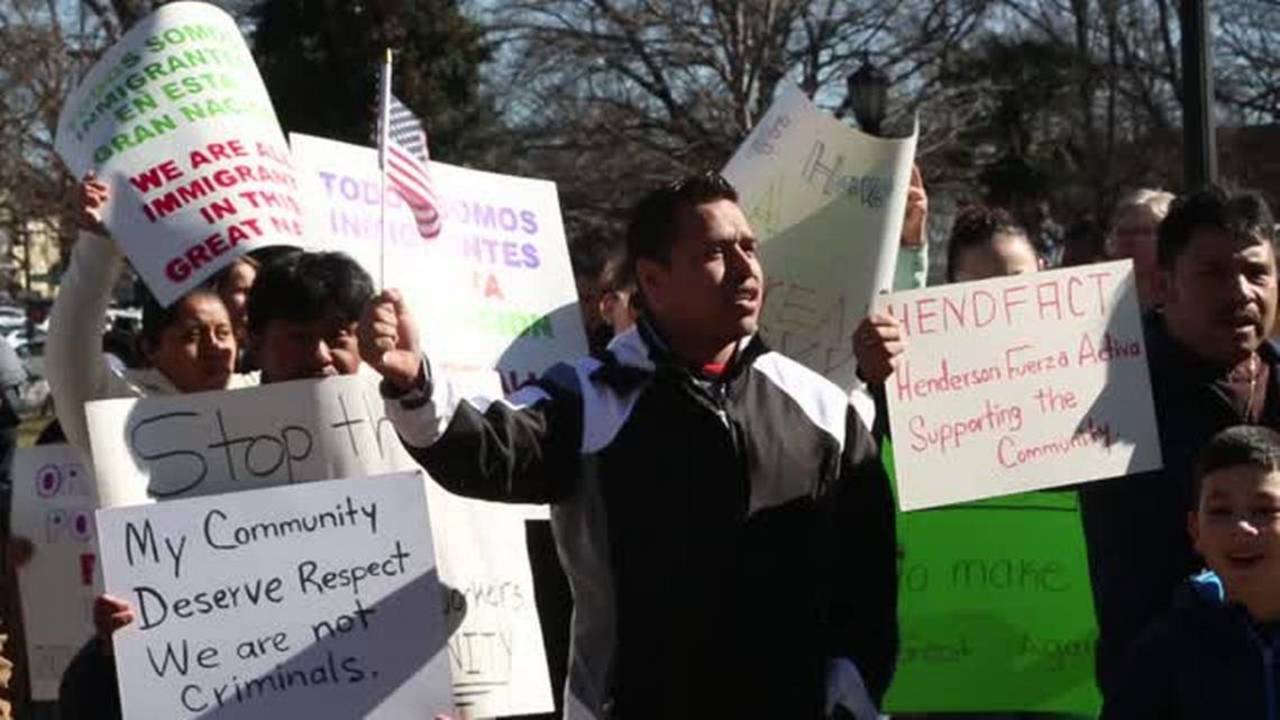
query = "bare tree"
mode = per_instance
[
  {"x": 37, "y": 71},
  {"x": 1248, "y": 55},
  {"x": 612, "y": 95},
  {"x": 46, "y": 47}
]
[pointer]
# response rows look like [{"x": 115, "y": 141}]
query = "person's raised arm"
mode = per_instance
[
  {"x": 913, "y": 247},
  {"x": 76, "y": 369},
  {"x": 523, "y": 448}
]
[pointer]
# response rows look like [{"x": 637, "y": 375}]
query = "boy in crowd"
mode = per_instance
[{"x": 1212, "y": 656}]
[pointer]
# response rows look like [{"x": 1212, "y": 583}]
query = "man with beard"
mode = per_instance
[
  {"x": 721, "y": 512},
  {"x": 1211, "y": 368}
]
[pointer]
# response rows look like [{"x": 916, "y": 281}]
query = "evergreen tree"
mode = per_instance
[{"x": 320, "y": 60}]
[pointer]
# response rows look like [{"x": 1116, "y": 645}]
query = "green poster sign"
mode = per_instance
[{"x": 995, "y": 608}]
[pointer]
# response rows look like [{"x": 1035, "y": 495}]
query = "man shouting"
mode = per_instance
[{"x": 720, "y": 510}]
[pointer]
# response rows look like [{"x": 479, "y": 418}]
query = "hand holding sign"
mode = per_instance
[
  {"x": 878, "y": 345},
  {"x": 389, "y": 340},
  {"x": 110, "y": 613},
  {"x": 94, "y": 195}
]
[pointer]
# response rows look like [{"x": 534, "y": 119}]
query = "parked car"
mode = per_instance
[
  {"x": 11, "y": 318},
  {"x": 35, "y": 395},
  {"x": 32, "y": 353},
  {"x": 19, "y": 336}
]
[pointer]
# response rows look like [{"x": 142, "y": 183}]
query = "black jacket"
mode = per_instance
[
  {"x": 1204, "y": 661},
  {"x": 724, "y": 539},
  {"x": 1135, "y": 527},
  {"x": 88, "y": 690}
]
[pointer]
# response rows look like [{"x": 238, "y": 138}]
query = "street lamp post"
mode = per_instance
[
  {"x": 1199, "y": 142},
  {"x": 869, "y": 94}
]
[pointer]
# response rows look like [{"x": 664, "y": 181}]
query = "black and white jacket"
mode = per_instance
[{"x": 730, "y": 542}]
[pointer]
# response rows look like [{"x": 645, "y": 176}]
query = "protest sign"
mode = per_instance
[
  {"x": 1020, "y": 383},
  {"x": 827, "y": 202},
  {"x": 204, "y": 443},
  {"x": 177, "y": 120},
  {"x": 53, "y": 508},
  {"x": 494, "y": 290},
  {"x": 282, "y": 602},
  {"x": 215, "y": 442},
  {"x": 974, "y": 606}
]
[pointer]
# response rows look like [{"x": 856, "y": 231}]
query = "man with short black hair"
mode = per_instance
[
  {"x": 303, "y": 310},
  {"x": 723, "y": 517},
  {"x": 1211, "y": 368}
]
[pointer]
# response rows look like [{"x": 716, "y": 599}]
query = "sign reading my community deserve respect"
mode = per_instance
[
  {"x": 1020, "y": 383},
  {"x": 285, "y": 602},
  {"x": 176, "y": 119},
  {"x": 53, "y": 508},
  {"x": 219, "y": 442},
  {"x": 827, "y": 202}
]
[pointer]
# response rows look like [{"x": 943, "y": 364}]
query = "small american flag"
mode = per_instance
[{"x": 407, "y": 165}]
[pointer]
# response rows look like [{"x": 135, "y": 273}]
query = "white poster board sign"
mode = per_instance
[
  {"x": 494, "y": 290},
  {"x": 827, "y": 202},
  {"x": 1020, "y": 383},
  {"x": 177, "y": 120},
  {"x": 216, "y": 442},
  {"x": 285, "y": 602},
  {"x": 53, "y": 508},
  {"x": 203, "y": 443}
]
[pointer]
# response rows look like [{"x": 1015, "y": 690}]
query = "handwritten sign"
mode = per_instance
[
  {"x": 214, "y": 442},
  {"x": 53, "y": 508},
  {"x": 827, "y": 202},
  {"x": 494, "y": 291},
  {"x": 1020, "y": 383},
  {"x": 205, "y": 443},
  {"x": 973, "y": 606},
  {"x": 176, "y": 118},
  {"x": 284, "y": 602}
]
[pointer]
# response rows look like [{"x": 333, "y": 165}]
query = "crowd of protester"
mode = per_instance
[{"x": 722, "y": 541}]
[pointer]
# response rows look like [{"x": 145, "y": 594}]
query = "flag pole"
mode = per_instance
[{"x": 384, "y": 121}]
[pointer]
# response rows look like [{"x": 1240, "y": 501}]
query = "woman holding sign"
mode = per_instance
[
  {"x": 190, "y": 345},
  {"x": 985, "y": 243}
]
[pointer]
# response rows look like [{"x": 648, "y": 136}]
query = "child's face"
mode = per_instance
[{"x": 1236, "y": 529}]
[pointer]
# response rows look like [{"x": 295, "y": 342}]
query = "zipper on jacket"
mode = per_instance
[{"x": 720, "y": 393}]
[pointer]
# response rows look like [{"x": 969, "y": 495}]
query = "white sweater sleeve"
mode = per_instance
[{"x": 76, "y": 369}]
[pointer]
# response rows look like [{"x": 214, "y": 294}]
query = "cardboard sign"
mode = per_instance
[
  {"x": 284, "y": 602},
  {"x": 827, "y": 201},
  {"x": 1020, "y": 383},
  {"x": 494, "y": 290},
  {"x": 974, "y": 606},
  {"x": 215, "y": 442},
  {"x": 205, "y": 443},
  {"x": 53, "y": 508},
  {"x": 177, "y": 120}
]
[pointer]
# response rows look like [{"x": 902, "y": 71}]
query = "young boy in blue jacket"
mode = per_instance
[{"x": 1213, "y": 655}]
